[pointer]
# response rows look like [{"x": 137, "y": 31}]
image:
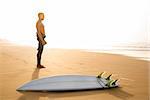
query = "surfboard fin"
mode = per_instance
[
  {"x": 108, "y": 78},
  {"x": 114, "y": 83},
  {"x": 109, "y": 83},
  {"x": 100, "y": 75}
]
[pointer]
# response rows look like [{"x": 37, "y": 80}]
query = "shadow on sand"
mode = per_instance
[
  {"x": 117, "y": 92},
  {"x": 35, "y": 74}
]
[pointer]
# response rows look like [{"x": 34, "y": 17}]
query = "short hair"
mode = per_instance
[{"x": 40, "y": 14}]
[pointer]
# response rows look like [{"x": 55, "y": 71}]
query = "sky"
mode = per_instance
[{"x": 76, "y": 23}]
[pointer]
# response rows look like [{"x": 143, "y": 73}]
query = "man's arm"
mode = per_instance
[{"x": 41, "y": 38}]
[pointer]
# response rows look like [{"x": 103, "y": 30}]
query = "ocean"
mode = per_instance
[{"x": 137, "y": 50}]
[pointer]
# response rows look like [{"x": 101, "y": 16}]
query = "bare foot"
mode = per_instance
[{"x": 40, "y": 66}]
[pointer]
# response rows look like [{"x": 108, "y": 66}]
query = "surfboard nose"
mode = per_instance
[{"x": 20, "y": 89}]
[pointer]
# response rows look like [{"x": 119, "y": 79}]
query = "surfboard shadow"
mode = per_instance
[
  {"x": 117, "y": 92},
  {"x": 120, "y": 93}
]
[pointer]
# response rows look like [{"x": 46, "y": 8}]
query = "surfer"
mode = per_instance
[{"x": 40, "y": 37}]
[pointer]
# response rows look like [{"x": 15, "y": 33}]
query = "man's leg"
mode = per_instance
[
  {"x": 40, "y": 50},
  {"x": 39, "y": 54}
]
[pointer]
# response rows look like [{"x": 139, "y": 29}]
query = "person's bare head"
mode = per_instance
[{"x": 41, "y": 16}]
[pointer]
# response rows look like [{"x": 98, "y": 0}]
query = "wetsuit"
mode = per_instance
[{"x": 40, "y": 50}]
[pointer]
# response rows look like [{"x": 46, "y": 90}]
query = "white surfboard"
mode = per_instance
[{"x": 68, "y": 83}]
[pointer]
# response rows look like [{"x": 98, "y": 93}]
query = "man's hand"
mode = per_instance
[{"x": 44, "y": 42}]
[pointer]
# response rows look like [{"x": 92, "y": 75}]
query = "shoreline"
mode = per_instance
[{"x": 139, "y": 52}]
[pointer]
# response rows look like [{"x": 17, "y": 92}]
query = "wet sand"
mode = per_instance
[{"x": 18, "y": 66}]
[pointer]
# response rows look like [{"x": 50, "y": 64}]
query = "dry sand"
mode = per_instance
[{"x": 18, "y": 66}]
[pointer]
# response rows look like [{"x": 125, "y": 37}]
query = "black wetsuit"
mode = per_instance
[{"x": 40, "y": 50}]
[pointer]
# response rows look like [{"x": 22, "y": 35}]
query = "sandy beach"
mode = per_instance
[{"x": 18, "y": 66}]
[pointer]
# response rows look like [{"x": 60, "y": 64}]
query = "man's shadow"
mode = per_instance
[{"x": 35, "y": 74}]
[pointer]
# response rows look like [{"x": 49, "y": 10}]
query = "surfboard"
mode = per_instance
[{"x": 69, "y": 83}]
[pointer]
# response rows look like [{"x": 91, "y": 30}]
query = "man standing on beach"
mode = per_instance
[{"x": 40, "y": 38}]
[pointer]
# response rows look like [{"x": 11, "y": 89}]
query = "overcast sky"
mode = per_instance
[{"x": 76, "y": 23}]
